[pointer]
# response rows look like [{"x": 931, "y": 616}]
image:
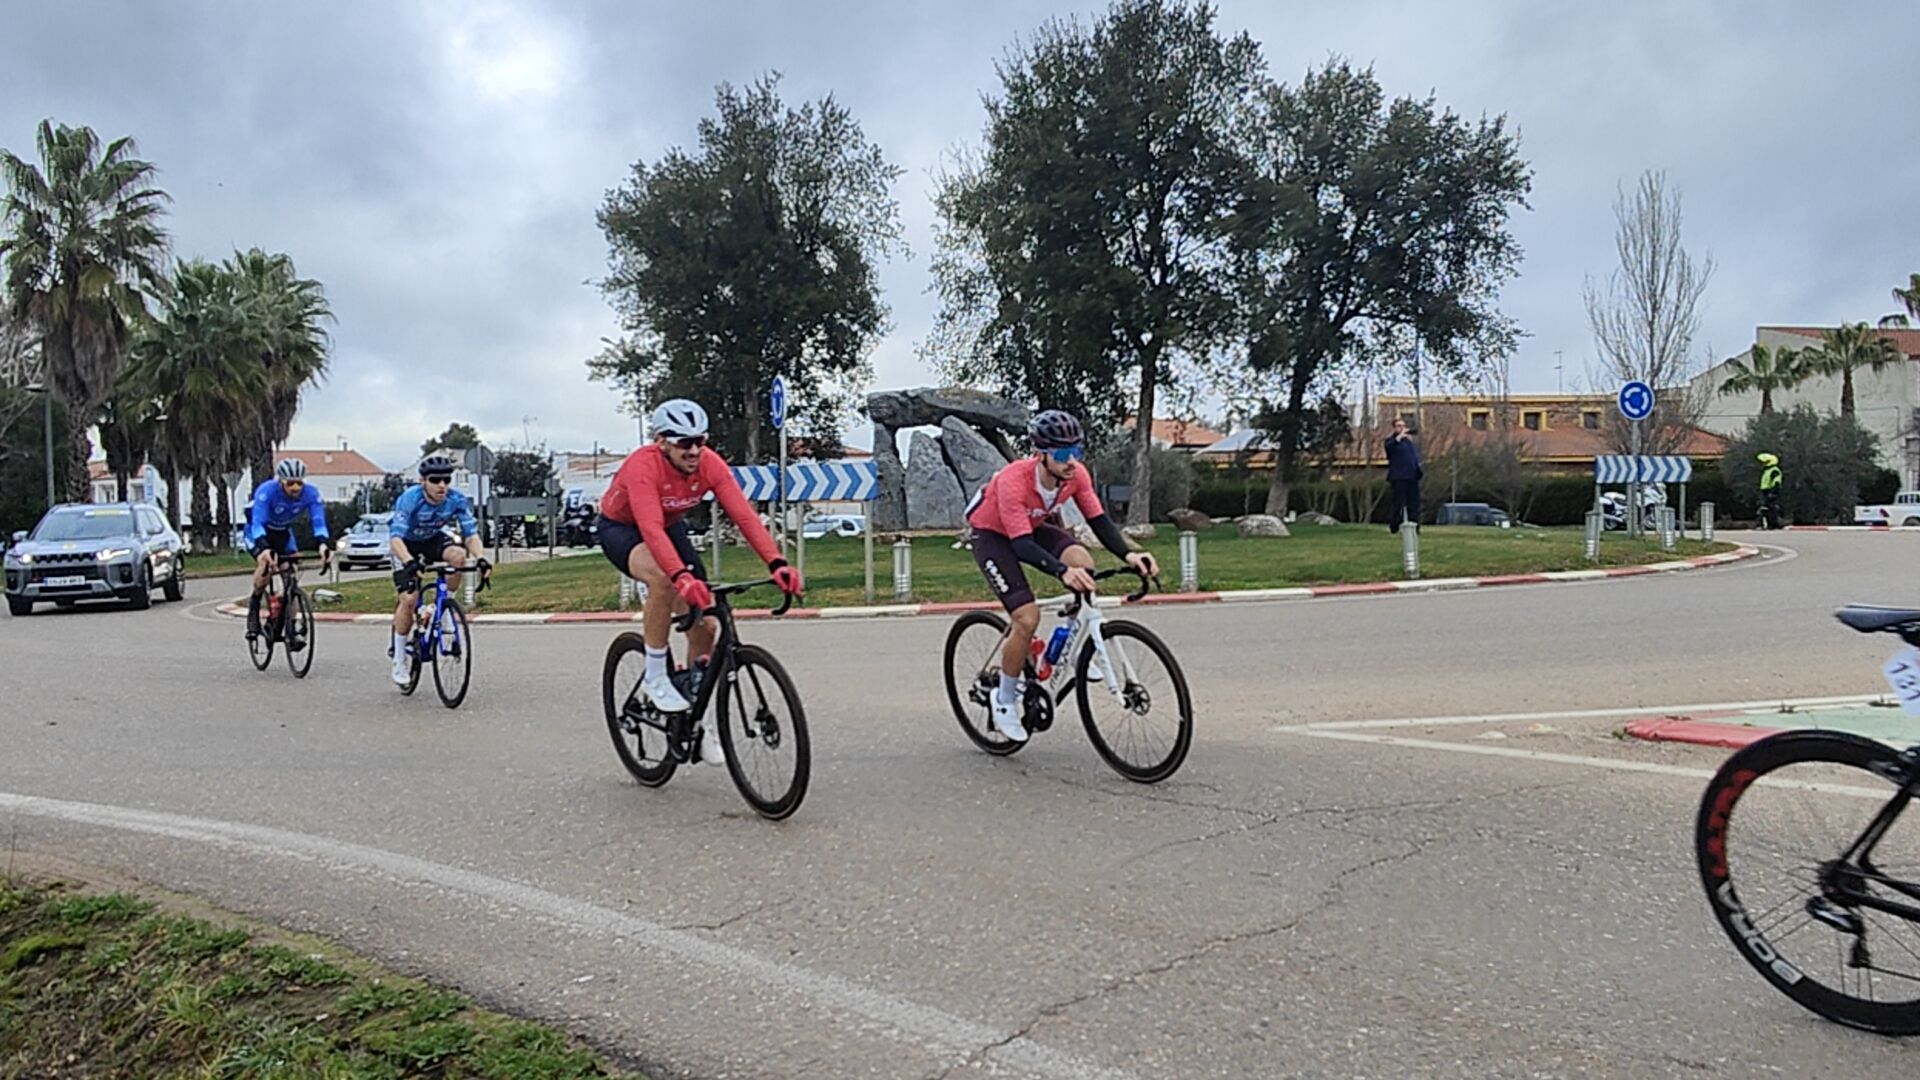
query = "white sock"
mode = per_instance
[
  {"x": 1009, "y": 688},
  {"x": 656, "y": 663},
  {"x": 399, "y": 647}
]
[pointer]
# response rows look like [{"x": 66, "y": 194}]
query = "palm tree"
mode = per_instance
[
  {"x": 1767, "y": 370},
  {"x": 84, "y": 249},
  {"x": 1851, "y": 346},
  {"x": 287, "y": 312},
  {"x": 201, "y": 361},
  {"x": 1910, "y": 296}
]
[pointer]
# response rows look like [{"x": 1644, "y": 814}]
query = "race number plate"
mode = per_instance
[{"x": 1903, "y": 674}]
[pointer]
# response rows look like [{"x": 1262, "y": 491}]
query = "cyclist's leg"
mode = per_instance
[
  {"x": 700, "y": 637},
  {"x": 626, "y": 549},
  {"x": 993, "y": 553}
]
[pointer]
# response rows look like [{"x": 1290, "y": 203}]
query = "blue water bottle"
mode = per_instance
[{"x": 1058, "y": 643}]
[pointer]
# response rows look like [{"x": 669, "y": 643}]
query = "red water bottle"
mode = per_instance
[
  {"x": 1042, "y": 667},
  {"x": 273, "y": 607}
]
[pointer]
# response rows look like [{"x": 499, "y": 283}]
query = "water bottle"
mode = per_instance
[
  {"x": 1058, "y": 644},
  {"x": 1042, "y": 668}
]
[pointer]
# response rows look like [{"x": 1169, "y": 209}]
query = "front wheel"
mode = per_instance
[
  {"x": 973, "y": 677},
  {"x": 1143, "y": 728},
  {"x": 1776, "y": 839},
  {"x": 297, "y": 619},
  {"x": 453, "y": 660},
  {"x": 19, "y": 605},
  {"x": 639, "y": 735},
  {"x": 763, "y": 729},
  {"x": 141, "y": 598},
  {"x": 176, "y": 586}
]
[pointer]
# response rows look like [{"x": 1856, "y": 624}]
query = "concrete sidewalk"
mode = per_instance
[{"x": 1875, "y": 718}]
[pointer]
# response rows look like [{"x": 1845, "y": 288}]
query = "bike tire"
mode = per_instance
[
  {"x": 750, "y": 734},
  {"x": 650, "y": 771},
  {"x": 454, "y": 657},
  {"x": 260, "y": 647},
  {"x": 1840, "y": 762},
  {"x": 1155, "y": 765},
  {"x": 976, "y": 718},
  {"x": 296, "y": 617}
]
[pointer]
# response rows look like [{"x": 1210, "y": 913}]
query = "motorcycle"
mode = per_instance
[{"x": 1613, "y": 508}]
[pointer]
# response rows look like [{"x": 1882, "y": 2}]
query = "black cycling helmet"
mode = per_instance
[
  {"x": 1054, "y": 430},
  {"x": 436, "y": 465}
]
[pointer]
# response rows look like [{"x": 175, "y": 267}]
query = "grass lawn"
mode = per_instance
[
  {"x": 109, "y": 985},
  {"x": 218, "y": 564},
  {"x": 1313, "y": 555}
]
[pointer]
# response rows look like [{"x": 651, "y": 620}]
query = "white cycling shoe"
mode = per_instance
[
  {"x": 665, "y": 696},
  {"x": 1006, "y": 718}
]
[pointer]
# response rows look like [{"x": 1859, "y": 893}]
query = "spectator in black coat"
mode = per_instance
[{"x": 1403, "y": 475}]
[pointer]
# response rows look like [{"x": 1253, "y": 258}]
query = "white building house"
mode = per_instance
[{"x": 1886, "y": 402}]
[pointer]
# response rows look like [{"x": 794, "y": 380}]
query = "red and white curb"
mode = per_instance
[
  {"x": 1240, "y": 596},
  {"x": 1853, "y": 528}
]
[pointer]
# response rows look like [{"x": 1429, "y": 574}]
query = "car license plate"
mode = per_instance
[{"x": 60, "y": 582}]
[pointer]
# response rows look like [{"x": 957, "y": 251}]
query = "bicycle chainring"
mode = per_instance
[{"x": 1039, "y": 711}]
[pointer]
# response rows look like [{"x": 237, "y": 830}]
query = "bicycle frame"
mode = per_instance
[
  {"x": 1086, "y": 617},
  {"x": 719, "y": 667},
  {"x": 1835, "y": 877}
]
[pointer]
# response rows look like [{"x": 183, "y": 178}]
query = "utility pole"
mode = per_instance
[{"x": 1559, "y": 373}]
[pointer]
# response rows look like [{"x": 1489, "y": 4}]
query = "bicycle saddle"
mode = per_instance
[{"x": 1868, "y": 619}]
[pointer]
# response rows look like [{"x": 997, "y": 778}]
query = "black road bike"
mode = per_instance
[{"x": 286, "y": 618}]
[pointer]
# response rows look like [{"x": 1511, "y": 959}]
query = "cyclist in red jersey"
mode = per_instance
[
  {"x": 1015, "y": 519},
  {"x": 644, "y": 533}
]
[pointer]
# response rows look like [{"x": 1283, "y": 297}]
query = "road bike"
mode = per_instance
[
  {"x": 1129, "y": 688},
  {"x": 286, "y": 618},
  {"x": 442, "y": 636},
  {"x": 757, "y": 712},
  {"x": 1811, "y": 861}
]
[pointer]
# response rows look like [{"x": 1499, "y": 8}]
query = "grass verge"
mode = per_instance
[
  {"x": 1313, "y": 555},
  {"x": 218, "y": 564},
  {"x": 95, "y": 984}
]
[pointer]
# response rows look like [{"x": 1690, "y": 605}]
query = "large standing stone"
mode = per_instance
[
  {"x": 934, "y": 500},
  {"x": 891, "y": 408},
  {"x": 972, "y": 458},
  {"x": 933, "y": 404},
  {"x": 890, "y": 501}
]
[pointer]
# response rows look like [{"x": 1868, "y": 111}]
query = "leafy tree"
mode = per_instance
[
  {"x": 1766, "y": 371},
  {"x": 1081, "y": 252},
  {"x": 1823, "y": 462},
  {"x": 458, "y": 436},
  {"x": 23, "y": 461},
  {"x": 521, "y": 473},
  {"x": 379, "y": 497},
  {"x": 81, "y": 238},
  {"x": 752, "y": 256},
  {"x": 1370, "y": 225},
  {"x": 1843, "y": 350}
]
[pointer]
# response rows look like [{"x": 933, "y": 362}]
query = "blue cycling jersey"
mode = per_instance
[
  {"x": 416, "y": 518},
  {"x": 274, "y": 509}
]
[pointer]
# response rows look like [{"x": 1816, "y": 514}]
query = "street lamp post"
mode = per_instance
[{"x": 46, "y": 428}]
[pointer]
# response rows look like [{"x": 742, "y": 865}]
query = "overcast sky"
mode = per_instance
[{"x": 437, "y": 165}]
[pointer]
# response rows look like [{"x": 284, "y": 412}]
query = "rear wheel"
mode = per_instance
[
  {"x": 973, "y": 677},
  {"x": 637, "y": 738},
  {"x": 763, "y": 729},
  {"x": 453, "y": 660},
  {"x": 260, "y": 646},
  {"x": 298, "y": 620}
]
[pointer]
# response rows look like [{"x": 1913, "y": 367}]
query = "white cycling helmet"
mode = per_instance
[
  {"x": 291, "y": 469},
  {"x": 678, "y": 418}
]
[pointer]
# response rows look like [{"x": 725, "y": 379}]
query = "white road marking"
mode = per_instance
[
  {"x": 931, "y": 1029},
  {"x": 1588, "y": 714}
]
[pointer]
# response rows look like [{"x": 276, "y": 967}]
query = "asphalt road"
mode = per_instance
[{"x": 1298, "y": 900}]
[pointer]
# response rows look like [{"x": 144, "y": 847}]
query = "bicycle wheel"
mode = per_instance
[
  {"x": 763, "y": 729},
  {"x": 260, "y": 647},
  {"x": 296, "y": 622},
  {"x": 453, "y": 660},
  {"x": 973, "y": 677},
  {"x": 641, "y": 746},
  {"x": 1144, "y": 730},
  {"x": 1774, "y": 840}
]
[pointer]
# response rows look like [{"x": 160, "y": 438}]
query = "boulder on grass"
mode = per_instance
[
  {"x": 1187, "y": 520},
  {"x": 1263, "y": 525},
  {"x": 1139, "y": 532}
]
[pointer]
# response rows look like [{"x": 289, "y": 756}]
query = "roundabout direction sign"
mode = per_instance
[{"x": 1636, "y": 400}]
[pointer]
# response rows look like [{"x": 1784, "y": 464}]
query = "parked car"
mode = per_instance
[
  {"x": 1903, "y": 510},
  {"x": 1472, "y": 514},
  {"x": 834, "y": 525},
  {"x": 366, "y": 543},
  {"x": 105, "y": 551}
]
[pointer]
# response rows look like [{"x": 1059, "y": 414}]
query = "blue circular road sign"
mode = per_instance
[
  {"x": 1636, "y": 400},
  {"x": 777, "y": 402}
]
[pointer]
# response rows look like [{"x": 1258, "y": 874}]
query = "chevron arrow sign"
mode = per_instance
[{"x": 1646, "y": 469}]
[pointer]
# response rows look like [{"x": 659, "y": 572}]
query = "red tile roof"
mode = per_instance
[
  {"x": 1181, "y": 433},
  {"x": 332, "y": 462},
  {"x": 1907, "y": 341}
]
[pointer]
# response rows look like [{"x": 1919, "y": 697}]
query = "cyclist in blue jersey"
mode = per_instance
[
  {"x": 277, "y": 504},
  {"x": 416, "y": 534}
]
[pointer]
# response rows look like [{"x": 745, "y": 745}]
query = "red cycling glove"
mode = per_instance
[
  {"x": 787, "y": 578},
  {"x": 692, "y": 589}
]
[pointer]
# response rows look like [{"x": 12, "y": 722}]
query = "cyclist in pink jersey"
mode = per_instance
[
  {"x": 643, "y": 533},
  {"x": 1015, "y": 520}
]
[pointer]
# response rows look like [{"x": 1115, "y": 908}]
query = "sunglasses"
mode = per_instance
[
  {"x": 293, "y": 483},
  {"x": 689, "y": 442},
  {"x": 1066, "y": 454},
  {"x": 436, "y": 479}
]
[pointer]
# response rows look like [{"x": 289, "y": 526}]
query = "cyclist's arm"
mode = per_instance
[
  {"x": 399, "y": 522},
  {"x": 726, "y": 491},
  {"x": 317, "y": 515},
  {"x": 469, "y": 529},
  {"x": 257, "y": 517},
  {"x": 1110, "y": 535},
  {"x": 1030, "y": 552},
  {"x": 1097, "y": 517}
]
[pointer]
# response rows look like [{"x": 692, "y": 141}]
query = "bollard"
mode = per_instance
[
  {"x": 626, "y": 592},
  {"x": 713, "y": 533},
  {"x": 1706, "y": 522},
  {"x": 1668, "y": 534},
  {"x": 1594, "y": 522},
  {"x": 902, "y": 568},
  {"x": 1189, "y": 562},
  {"x": 1410, "y": 549},
  {"x": 467, "y": 586}
]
